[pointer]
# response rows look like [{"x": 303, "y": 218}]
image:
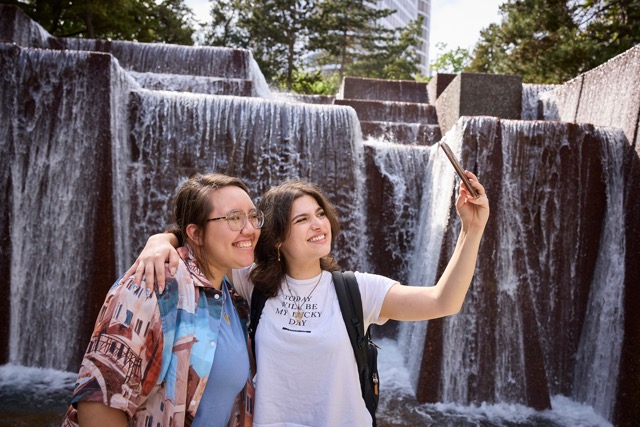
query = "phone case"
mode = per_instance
[{"x": 458, "y": 168}]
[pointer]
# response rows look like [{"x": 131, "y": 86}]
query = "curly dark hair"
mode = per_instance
[{"x": 276, "y": 204}]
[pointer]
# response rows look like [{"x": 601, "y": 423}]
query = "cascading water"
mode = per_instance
[
  {"x": 422, "y": 182},
  {"x": 52, "y": 217},
  {"x": 174, "y": 135},
  {"x": 533, "y": 291},
  {"x": 598, "y": 358},
  {"x": 169, "y": 58},
  {"x": 95, "y": 158},
  {"x": 531, "y": 98}
]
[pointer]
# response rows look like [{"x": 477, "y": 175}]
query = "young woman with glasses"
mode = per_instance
[
  {"x": 306, "y": 369},
  {"x": 179, "y": 358}
]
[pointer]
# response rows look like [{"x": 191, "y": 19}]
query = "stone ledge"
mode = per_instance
[
  {"x": 402, "y": 133},
  {"x": 476, "y": 94},
  {"x": 383, "y": 90},
  {"x": 437, "y": 85}
]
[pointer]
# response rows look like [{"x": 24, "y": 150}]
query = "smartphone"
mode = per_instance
[{"x": 458, "y": 169}]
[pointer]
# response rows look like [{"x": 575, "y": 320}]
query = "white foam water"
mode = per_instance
[{"x": 399, "y": 407}]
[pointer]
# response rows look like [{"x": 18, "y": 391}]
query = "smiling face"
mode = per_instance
[
  {"x": 309, "y": 237},
  {"x": 216, "y": 246},
  {"x": 224, "y": 247}
]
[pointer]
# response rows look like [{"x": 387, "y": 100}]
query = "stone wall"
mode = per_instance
[{"x": 608, "y": 95}]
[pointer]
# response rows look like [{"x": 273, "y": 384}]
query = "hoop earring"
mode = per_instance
[{"x": 278, "y": 248}]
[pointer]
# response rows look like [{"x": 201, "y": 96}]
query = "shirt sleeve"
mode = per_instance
[
  {"x": 373, "y": 289},
  {"x": 123, "y": 361},
  {"x": 242, "y": 283}
]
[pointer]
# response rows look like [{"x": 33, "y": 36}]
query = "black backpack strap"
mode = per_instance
[
  {"x": 258, "y": 299},
  {"x": 351, "y": 306}
]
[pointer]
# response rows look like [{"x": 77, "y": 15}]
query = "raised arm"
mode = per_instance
[
  {"x": 447, "y": 296},
  {"x": 160, "y": 248}
]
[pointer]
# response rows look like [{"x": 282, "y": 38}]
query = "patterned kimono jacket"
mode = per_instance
[{"x": 151, "y": 357}]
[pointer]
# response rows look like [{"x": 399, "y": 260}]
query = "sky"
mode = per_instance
[
  {"x": 458, "y": 22},
  {"x": 454, "y": 22}
]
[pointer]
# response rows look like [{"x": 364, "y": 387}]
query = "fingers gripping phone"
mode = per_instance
[{"x": 458, "y": 168}]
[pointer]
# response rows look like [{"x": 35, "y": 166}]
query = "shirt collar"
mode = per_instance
[{"x": 189, "y": 258}]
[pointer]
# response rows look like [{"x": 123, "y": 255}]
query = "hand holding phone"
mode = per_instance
[{"x": 458, "y": 168}]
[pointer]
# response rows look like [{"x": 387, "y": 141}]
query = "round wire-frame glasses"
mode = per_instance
[{"x": 237, "y": 219}]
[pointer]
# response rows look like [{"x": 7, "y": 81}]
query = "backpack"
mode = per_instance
[{"x": 364, "y": 349}]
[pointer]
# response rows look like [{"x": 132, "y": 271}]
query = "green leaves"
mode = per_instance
[
  {"x": 328, "y": 38},
  {"x": 451, "y": 61},
  {"x": 552, "y": 41},
  {"x": 167, "y": 21}
]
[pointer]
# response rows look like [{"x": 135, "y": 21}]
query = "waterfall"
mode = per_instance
[
  {"x": 598, "y": 358},
  {"x": 554, "y": 272},
  {"x": 530, "y": 99},
  {"x": 56, "y": 161},
  {"x": 176, "y": 134},
  {"x": 169, "y": 58},
  {"x": 261, "y": 88},
  {"x": 422, "y": 181},
  {"x": 103, "y": 159},
  {"x": 121, "y": 85},
  {"x": 94, "y": 146}
]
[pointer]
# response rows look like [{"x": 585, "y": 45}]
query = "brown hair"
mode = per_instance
[
  {"x": 276, "y": 205},
  {"x": 193, "y": 205}
]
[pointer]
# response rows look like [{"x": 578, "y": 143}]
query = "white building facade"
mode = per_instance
[{"x": 407, "y": 11}]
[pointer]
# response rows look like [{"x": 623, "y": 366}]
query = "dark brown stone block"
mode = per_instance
[
  {"x": 471, "y": 94},
  {"x": 195, "y": 84},
  {"x": 170, "y": 59},
  {"x": 608, "y": 95},
  {"x": 60, "y": 152},
  {"x": 9, "y": 54},
  {"x": 392, "y": 111},
  {"x": 309, "y": 99},
  {"x": 437, "y": 85},
  {"x": 17, "y": 27},
  {"x": 402, "y": 133},
  {"x": 383, "y": 90},
  {"x": 549, "y": 293},
  {"x": 627, "y": 410}
]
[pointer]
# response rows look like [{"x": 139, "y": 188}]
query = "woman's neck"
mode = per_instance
[
  {"x": 215, "y": 277},
  {"x": 304, "y": 271}
]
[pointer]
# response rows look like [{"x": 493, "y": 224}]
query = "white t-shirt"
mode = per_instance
[{"x": 307, "y": 372}]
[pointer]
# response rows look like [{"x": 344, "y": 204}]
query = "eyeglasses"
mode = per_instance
[{"x": 237, "y": 219}]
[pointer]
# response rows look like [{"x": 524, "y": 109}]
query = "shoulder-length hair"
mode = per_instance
[
  {"x": 268, "y": 273},
  {"x": 193, "y": 205}
]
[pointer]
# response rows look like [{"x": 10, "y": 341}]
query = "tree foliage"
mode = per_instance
[
  {"x": 551, "y": 41},
  {"x": 289, "y": 39},
  {"x": 393, "y": 57},
  {"x": 224, "y": 29},
  {"x": 148, "y": 21},
  {"x": 451, "y": 61},
  {"x": 347, "y": 30},
  {"x": 342, "y": 36}
]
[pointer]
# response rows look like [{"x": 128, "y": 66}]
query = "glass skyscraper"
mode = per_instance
[{"x": 406, "y": 11}]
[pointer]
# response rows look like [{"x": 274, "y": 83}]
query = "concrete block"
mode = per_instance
[
  {"x": 17, "y": 27},
  {"x": 402, "y": 133},
  {"x": 475, "y": 94},
  {"x": 608, "y": 95},
  {"x": 390, "y": 111},
  {"x": 383, "y": 90},
  {"x": 437, "y": 85},
  {"x": 561, "y": 104}
]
